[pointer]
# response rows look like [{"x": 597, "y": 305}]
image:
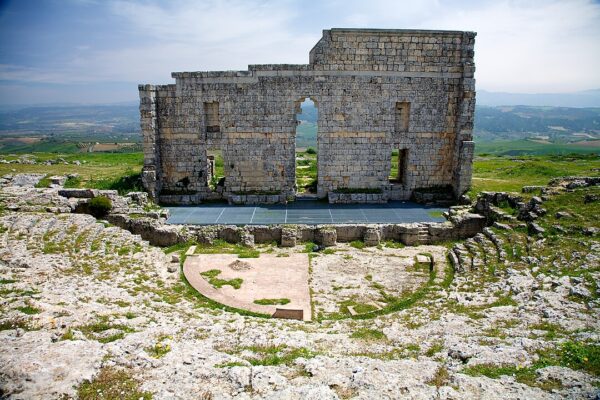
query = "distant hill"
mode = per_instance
[
  {"x": 553, "y": 123},
  {"x": 84, "y": 119},
  {"x": 527, "y": 128},
  {"x": 588, "y": 98}
]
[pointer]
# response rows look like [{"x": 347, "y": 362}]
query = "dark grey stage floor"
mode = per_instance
[{"x": 305, "y": 212}]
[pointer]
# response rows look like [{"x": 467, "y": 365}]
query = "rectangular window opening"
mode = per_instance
[
  {"x": 402, "y": 116},
  {"x": 211, "y": 117},
  {"x": 398, "y": 166}
]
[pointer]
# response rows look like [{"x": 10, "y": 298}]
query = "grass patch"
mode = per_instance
[
  {"x": 231, "y": 364},
  {"x": 390, "y": 244},
  {"x": 441, "y": 377},
  {"x": 100, "y": 206},
  {"x": 220, "y": 246},
  {"x": 271, "y": 302},
  {"x": 277, "y": 355},
  {"x": 510, "y": 174},
  {"x": 574, "y": 355},
  {"x": 97, "y": 169},
  {"x": 502, "y": 301},
  {"x": 73, "y": 181},
  {"x": 29, "y": 310},
  {"x": 552, "y": 330},
  {"x": 44, "y": 182},
  {"x": 357, "y": 244},
  {"x": 16, "y": 324},
  {"x": 359, "y": 308},
  {"x": 112, "y": 383},
  {"x": 158, "y": 350},
  {"x": 211, "y": 277},
  {"x": 94, "y": 330},
  {"x": 435, "y": 213},
  {"x": 306, "y": 172},
  {"x": 309, "y": 247},
  {"x": 368, "y": 335}
]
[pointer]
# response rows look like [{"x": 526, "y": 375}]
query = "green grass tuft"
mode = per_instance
[
  {"x": 357, "y": 244},
  {"x": 218, "y": 283},
  {"x": 368, "y": 334},
  {"x": 270, "y": 302},
  {"x": 112, "y": 383}
]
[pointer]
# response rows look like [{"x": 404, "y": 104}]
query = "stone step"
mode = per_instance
[
  {"x": 498, "y": 243},
  {"x": 463, "y": 257}
]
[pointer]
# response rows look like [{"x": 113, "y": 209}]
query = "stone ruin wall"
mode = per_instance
[{"x": 375, "y": 91}]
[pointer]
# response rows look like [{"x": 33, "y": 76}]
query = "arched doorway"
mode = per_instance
[{"x": 306, "y": 147}]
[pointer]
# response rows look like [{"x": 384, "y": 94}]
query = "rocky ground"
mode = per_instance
[{"x": 89, "y": 310}]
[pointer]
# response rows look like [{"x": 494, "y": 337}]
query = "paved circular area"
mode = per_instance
[{"x": 267, "y": 279}]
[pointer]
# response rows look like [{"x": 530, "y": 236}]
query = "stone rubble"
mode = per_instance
[{"x": 104, "y": 298}]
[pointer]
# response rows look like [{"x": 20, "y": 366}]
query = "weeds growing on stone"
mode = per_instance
[
  {"x": 277, "y": 355},
  {"x": 358, "y": 244},
  {"x": 112, "y": 383},
  {"x": 441, "y": 377},
  {"x": 368, "y": 335},
  {"x": 29, "y": 310}
]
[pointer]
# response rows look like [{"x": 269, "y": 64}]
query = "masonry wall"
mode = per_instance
[{"x": 356, "y": 78}]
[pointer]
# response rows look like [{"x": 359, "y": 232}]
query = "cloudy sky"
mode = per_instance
[{"x": 56, "y": 51}]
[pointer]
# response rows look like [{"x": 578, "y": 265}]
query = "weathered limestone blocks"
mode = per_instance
[
  {"x": 326, "y": 236},
  {"x": 378, "y": 93},
  {"x": 257, "y": 199},
  {"x": 372, "y": 236},
  {"x": 265, "y": 233},
  {"x": 152, "y": 230},
  {"x": 79, "y": 193},
  {"x": 346, "y": 198},
  {"x": 288, "y": 237}
]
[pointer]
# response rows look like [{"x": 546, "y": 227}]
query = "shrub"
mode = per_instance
[
  {"x": 44, "y": 182},
  {"x": 310, "y": 150},
  {"x": 72, "y": 182},
  {"x": 357, "y": 244},
  {"x": 100, "y": 206}
]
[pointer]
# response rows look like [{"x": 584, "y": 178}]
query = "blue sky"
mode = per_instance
[{"x": 56, "y": 51}]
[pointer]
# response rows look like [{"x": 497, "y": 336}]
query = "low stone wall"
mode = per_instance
[
  {"x": 257, "y": 199},
  {"x": 183, "y": 199},
  {"x": 347, "y": 198},
  {"x": 160, "y": 234},
  {"x": 128, "y": 213}
]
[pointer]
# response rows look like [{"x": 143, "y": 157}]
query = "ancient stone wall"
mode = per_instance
[{"x": 375, "y": 90}]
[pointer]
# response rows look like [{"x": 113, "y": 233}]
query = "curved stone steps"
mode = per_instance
[
  {"x": 477, "y": 252},
  {"x": 42, "y": 229},
  {"x": 498, "y": 243}
]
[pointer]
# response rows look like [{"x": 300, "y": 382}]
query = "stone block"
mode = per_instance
[
  {"x": 79, "y": 193},
  {"x": 288, "y": 237},
  {"x": 326, "y": 236},
  {"x": 372, "y": 236}
]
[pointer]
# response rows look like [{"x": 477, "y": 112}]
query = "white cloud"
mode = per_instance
[
  {"x": 521, "y": 46},
  {"x": 530, "y": 46}
]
